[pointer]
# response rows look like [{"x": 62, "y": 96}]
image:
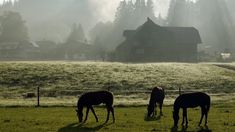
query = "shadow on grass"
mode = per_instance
[
  {"x": 153, "y": 118},
  {"x": 184, "y": 129},
  {"x": 204, "y": 129},
  {"x": 75, "y": 127}
]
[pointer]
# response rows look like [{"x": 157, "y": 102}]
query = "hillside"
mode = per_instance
[{"x": 19, "y": 77}]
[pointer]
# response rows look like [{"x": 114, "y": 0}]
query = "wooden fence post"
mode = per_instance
[
  {"x": 38, "y": 96},
  {"x": 179, "y": 90}
]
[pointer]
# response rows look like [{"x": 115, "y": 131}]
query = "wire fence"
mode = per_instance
[
  {"x": 46, "y": 97},
  {"x": 41, "y": 93}
]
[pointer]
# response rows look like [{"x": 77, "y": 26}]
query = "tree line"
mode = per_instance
[{"x": 213, "y": 18}]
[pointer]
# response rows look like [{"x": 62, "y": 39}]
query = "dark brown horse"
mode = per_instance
[
  {"x": 95, "y": 98},
  {"x": 191, "y": 100},
  {"x": 157, "y": 96}
]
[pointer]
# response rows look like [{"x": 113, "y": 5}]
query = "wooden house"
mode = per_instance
[{"x": 153, "y": 43}]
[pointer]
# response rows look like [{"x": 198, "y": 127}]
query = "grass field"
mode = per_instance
[
  {"x": 63, "y": 119},
  {"x": 60, "y": 82},
  {"x": 57, "y": 77}
]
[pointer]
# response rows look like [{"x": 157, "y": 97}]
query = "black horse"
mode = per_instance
[
  {"x": 157, "y": 96},
  {"x": 95, "y": 98},
  {"x": 191, "y": 100}
]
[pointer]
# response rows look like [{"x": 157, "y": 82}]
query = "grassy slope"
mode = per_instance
[
  {"x": 19, "y": 77},
  {"x": 127, "y": 119}
]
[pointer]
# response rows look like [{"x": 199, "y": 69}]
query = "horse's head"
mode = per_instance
[
  {"x": 150, "y": 110},
  {"x": 175, "y": 117},
  {"x": 79, "y": 115}
]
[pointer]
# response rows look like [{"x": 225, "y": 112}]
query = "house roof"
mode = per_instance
[
  {"x": 185, "y": 34},
  {"x": 175, "y": 34},
  {"x": 148, "y": 24}
]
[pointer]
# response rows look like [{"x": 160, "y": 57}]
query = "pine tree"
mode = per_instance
[
  {"x": 13, "y": 27},
  {"x": 77, "y": 34},
  {"x": 214, "y": 27},
  {"x": 150, "y": 10},
  {"x": 177, "y": 13},
  {"x": 138, "y": 4},
  {"x": 129, "y": 15},
  {"x": 120, "y": 13},
  {"x": 171, "y": 13}
]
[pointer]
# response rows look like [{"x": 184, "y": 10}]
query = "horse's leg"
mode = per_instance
[
  {"x": 202, "y": 114},
  {"x": 112, "y": 110},
  {"x": 108, "y": 110},
  {"x": 186, "y": 116},
  {"x": 94, "y": 114},
  {"x": 206, "y": 115},
  {"x": 87, "y": 111},
  {"x": 155, "y": 110},
  {"x": 184, "y": 111},
  {"x": 161, "y": 108}
]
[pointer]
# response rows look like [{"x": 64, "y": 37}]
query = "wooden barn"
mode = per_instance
[{"x": 153, "y": 43}]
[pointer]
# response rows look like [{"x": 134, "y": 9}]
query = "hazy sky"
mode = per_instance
[
  {"x": 107, "y": 8},
  {"x": 5, "y": 0}
]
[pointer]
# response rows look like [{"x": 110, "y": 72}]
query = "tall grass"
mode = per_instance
[{"x": 65, "y": 78}]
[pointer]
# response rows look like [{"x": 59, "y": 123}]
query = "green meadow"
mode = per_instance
[
  {"x": 57, "y": 77},
  {"x": 61, "y": 82},
  {"x": 63, "y": 119}
]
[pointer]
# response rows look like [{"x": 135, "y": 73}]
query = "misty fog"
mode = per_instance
[{"x": 102, "y": 22}]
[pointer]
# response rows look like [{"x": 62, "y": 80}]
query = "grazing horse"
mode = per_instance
[
  {"x": 191, "y": 100},
  {"x": 95, "y": 98},
  {"x": 157, "y": 96}
]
